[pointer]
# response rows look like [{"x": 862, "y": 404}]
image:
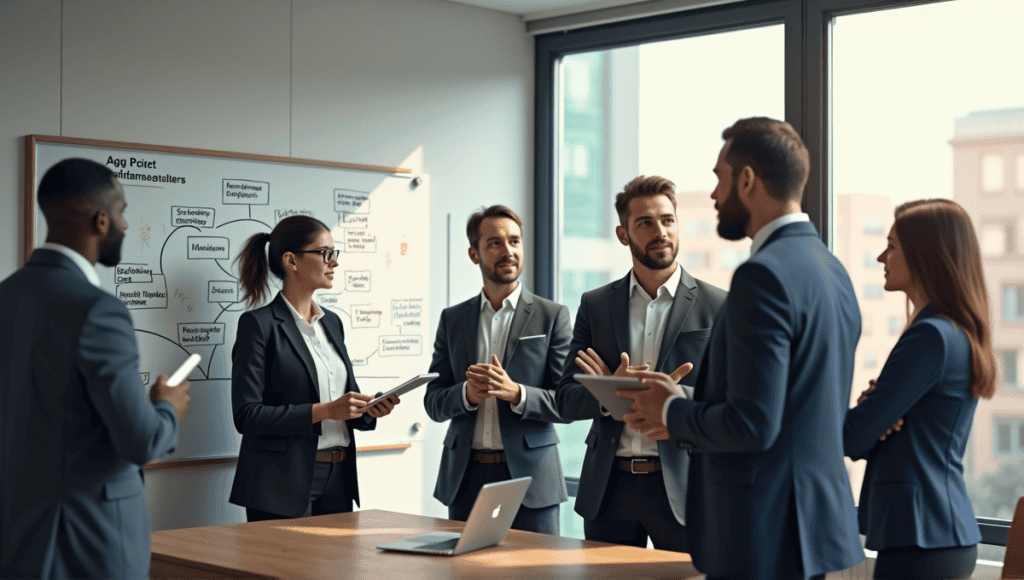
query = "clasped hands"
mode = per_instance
[
  {"x": 484, "y": 381},
  {"x": 647, "y": 403}
]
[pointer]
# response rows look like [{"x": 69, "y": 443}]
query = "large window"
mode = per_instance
[
  {"x": 925, "y": 105},
  {"x": 896, "y": 100},
  {"x": 650, "y": 109}
]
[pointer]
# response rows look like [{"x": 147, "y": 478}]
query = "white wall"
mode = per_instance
[{"x": 426, "y": 84}]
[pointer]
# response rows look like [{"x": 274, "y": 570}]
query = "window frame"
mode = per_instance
[{"x": 807, "y": 27}]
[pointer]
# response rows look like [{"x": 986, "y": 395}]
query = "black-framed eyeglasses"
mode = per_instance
[{"x": 326, "y": 254}]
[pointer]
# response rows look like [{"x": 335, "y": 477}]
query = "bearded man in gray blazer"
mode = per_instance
[
  {"x": 77, "y": 424},
  {"x": 658, "y": 317},
  {"x": 499, "y": 356}
]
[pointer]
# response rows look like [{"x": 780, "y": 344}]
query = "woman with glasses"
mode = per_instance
[
  {"x": 913, "y": 423},
  {"x": 293, "y": 392}
]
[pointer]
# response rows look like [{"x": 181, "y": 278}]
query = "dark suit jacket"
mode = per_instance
[
  {"x": 77, "y": 426},
  {"x": 602, "y": 323},
  {"x": 531, "y": 445},
  {"x": 769, "y": 495},
  {"x": 273, "y": 388},
  {"x": 914, "y": 492}
]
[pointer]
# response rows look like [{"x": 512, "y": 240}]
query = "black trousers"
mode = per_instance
[
  {"x": 541, "y": 520},
  {"x": 636, "y": 507},
  {"x": 327, "y": 496},
  {"x": 912, "y": 563}
]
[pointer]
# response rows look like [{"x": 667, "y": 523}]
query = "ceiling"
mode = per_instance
[{"x": 536, "y": 9}]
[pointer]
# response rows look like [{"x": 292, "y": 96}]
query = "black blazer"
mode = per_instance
[{"x": 273, "y": 388}]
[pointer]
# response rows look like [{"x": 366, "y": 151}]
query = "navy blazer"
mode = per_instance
[
  {"x": 769, "y": 495},
  {"x": 538, "y": 340},
  {"x": 602, "y": 323},
  {"x": 77, "y": 426},
  {"x": 914, "y": 492},
  {"x": 273, "y": 388}
]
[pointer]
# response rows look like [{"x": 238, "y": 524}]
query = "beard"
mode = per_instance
[
  {"x": 497, "y": 277},
  {"x": 651, "y": 261},
  {"x": 733, "y": 216},
  {"x": 110, "y": 250}
]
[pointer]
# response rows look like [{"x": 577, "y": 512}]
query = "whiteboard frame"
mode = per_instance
[{"x": 31, "y": 178}]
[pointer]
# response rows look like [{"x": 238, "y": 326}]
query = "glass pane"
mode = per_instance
[
  {"x": 928, "y": 102},
  {"x": 652, "y": 109}
]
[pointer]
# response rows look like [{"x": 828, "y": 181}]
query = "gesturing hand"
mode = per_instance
[
  {"x": 495, "y": 381},
  {"x": 590, "y": 363}
]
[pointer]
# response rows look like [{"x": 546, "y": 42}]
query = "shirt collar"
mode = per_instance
[
  {"x": 769, "y": 228},
  {"x": 88, "y": 269},
  {"x": 670, "y": 285},
  {"x": 510, "y": 300},
  {"x": 317, "y": 313}
]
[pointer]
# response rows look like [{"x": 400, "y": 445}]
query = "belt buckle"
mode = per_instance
[
  {"x": 632, "y": 465},
  {"x": 336, "y": 456}
]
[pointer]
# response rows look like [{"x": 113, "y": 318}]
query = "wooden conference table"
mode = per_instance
[{"x": 344, "y": 546}]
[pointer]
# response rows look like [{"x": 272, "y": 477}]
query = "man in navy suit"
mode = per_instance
[
  {"x": 77, "y": 425},
  {"x": 499, "y": 356},
  {"x": 657, "y": 316},
  {"x": 769, "y": 496}
]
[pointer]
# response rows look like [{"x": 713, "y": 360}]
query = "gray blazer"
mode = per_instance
[
  {"x": 602, "y": 323},
  {"x": 531, "y": 445},
  {"x": 77, "y": 427}
]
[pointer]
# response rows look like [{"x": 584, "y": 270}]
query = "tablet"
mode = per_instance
[
  {"x": 603, "y": 389},
  {"x": 405, "y": 387}
]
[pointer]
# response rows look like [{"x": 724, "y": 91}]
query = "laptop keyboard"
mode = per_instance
[{"x": 441, "y": 546}]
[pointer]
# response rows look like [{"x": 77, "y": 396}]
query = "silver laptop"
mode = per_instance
[{"x": 488, "y": 524}]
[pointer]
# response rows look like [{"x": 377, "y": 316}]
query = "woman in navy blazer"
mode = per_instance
[
  {"x": 914, "y": 507},
  {"x": 293, "y": 391}
]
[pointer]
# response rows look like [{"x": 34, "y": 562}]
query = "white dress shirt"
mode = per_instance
[
  {"x": 647, "y": 319},
  {"x": 330, "y": 372},
  {"x": 491, "y": 338},
  {"x": 760, "y": 238},
  {"x": 88, "y": 269}
]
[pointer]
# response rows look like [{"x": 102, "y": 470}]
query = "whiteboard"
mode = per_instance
[{"x": 189, "y": 213}]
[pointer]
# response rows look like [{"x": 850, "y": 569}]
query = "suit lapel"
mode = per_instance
[
  {"x": 291, "y": 330},
  {"x": 620, "y": 318},
  {"x": 470, "y": 330},
  {"x": 520, "y": 319},
  {"x": 685, "y": 296}
]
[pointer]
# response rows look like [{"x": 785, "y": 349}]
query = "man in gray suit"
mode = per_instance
[
  {"x": 77, "y": 425},
  {"x": 631, "y": 487},
  {"x": 499, "y": 356}
]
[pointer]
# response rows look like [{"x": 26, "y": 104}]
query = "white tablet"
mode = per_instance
[
  {"x": 405, "y": 387},
  {"x": 603, "y": 389}
]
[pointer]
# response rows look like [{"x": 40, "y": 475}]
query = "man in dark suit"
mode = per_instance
[
  {"x": 658, "y": 315},
  {"x": 769, "y": 496},
  {"x": 77, "y": 425},
  {"x": 499, "y": 356}
]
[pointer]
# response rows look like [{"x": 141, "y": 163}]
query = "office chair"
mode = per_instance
[{"x": 1013, "y": 562}]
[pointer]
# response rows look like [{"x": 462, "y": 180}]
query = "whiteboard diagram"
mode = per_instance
[{"x": 189, "y": 216}]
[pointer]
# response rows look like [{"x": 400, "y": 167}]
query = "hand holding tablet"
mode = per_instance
[{"x": 417, "y": 381}]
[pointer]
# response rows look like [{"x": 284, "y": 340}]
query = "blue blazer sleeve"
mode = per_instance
[
  {"x": 914, "y": 366},
  {"x": 248, "y": 375},
  {"x": 108, "y": 358},
  {"x": 761, "y": 321}
]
